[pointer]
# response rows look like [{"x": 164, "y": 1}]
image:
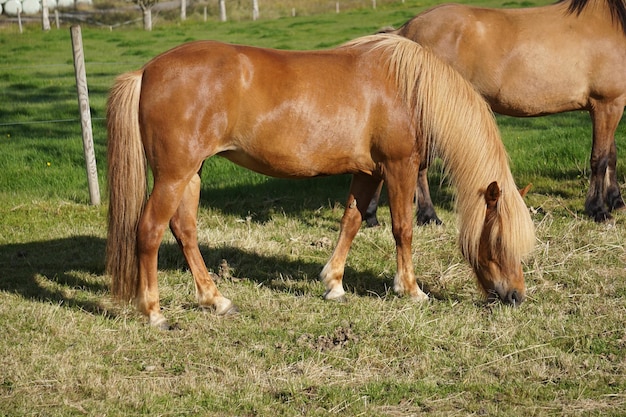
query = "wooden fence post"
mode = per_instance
[
  {"x": 45, "y": 15},
  {"x": 222, "y": 11},
  {"x": 85, "y": 115},
  {"x": 255, "y": 9}
]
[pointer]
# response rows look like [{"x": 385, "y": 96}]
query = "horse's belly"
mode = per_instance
[
  {"x": 534, "y": 90},
  {"x": 288, "y": 162},
  {"x": 535, "y": 102}
]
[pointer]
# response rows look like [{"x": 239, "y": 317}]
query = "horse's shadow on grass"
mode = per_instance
[
  {"x": 294, "y": 197},
  {"x": 70, "y": 272},
  {"x": 64, "y": 271}
]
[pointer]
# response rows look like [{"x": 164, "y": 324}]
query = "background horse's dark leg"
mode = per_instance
[
  {"x": 604, "y": 195},
  {"x": 370, "y": 214},
  {"x": 425, "y": 208},
  {"x": 614, "y": 198}
]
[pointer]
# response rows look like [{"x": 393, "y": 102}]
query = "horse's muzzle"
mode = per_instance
[{"x": 512, "y": 297}]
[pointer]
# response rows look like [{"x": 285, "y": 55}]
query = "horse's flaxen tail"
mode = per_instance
[{"x": 126, "y": 183}]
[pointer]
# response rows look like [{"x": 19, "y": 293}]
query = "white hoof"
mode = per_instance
[
  {"x": 420, "y": 296},
  {"x": 159, "y": 321},
  {"x": 335, "y": 294},
  {"x": 225, "y": 307}
]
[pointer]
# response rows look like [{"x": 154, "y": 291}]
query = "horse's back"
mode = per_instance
[
  {"x": 234, "y": 101},
  {"x": 527, "y": 61}
]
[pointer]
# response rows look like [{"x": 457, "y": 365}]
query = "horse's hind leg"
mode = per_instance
[
  {"x": 604, "y": 194},
  {"x": 184, "y": 228},
  {"x": 614, "y": 198},
  {"x": 362, "y": 189},
  {"x": 159, "y": 209}
]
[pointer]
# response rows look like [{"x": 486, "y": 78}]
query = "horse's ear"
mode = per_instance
[
  {"x": 525, "y": 190},
  {"x": 492, "y": 195}
]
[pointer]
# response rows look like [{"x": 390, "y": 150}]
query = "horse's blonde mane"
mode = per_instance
[{"x": 460, "y": 127}]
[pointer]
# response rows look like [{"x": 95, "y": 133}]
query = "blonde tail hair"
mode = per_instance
[{"x": 126, "y": 184}]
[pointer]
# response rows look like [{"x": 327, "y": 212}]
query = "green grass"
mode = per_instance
[{"x": 66, "y": 349}]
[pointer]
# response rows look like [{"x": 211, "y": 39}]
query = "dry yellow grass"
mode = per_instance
[{"x": 66, "y": 349}]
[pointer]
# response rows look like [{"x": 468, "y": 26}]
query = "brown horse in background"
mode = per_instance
[
  {"x": 537, "y": 61},
  {"x": 370, "y": 108}
]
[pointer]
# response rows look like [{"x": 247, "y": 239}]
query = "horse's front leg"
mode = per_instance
[
  {"x": 184, "y": 228},
  {"x": 604, "y": 193},
  {"x": 362, "y": 189},
  {"x": 400, "y": 188}
]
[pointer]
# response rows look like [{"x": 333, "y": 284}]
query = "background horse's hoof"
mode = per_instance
[
  {"x": 427, "y": 216},
  {"x": 371, "y": 222},
  {"x": 602, "y": 217},
  {"x": 619, "y": 206}
]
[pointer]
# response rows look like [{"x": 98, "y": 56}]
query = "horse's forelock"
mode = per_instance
[
  {"x": 511, "y": 233},
  {"x": 514, "y": 238}
]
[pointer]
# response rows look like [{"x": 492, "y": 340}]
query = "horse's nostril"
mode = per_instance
[{"x": 514, "y": 298}]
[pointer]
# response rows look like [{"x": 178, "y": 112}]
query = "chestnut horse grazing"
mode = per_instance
[
  {"x": 370, "y": 108},
  {"x": 536, "y": 61}
]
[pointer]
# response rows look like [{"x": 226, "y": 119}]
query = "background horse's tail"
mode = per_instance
[{"x": 126, "y": 183}]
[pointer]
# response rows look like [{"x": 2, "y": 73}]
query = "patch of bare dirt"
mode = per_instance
[{"x": 342, "y": 337}]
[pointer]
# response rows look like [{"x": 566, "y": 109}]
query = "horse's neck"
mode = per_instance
[{"x": 615, "y": 9}]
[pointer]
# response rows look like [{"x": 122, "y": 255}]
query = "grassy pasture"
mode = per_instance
[{"x": 66, "y": 349}]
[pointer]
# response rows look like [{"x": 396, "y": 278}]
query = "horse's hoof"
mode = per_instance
[
  {"x": 424, "y": 218},
  {"x": 372, "y": 222},
  {"x": 227, "y": 308},
  {"x": 159, "y": 321},
  {"x": 420, "y": 297},
  {"x": 232, "y": 311},
  {"x": 338, "y": 295},
  {"x": 602, "y": 217},
  {"x": 619, "y": 206}
]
